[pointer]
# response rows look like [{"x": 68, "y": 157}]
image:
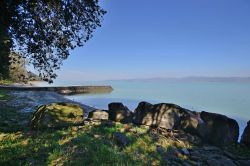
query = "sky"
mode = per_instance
[{"x": 165, "y": 38}]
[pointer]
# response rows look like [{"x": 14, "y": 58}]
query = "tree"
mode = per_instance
[{"x": 44, "y": 31}]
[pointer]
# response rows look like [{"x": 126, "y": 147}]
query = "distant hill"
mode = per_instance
[{"x": 193, "y": 79}]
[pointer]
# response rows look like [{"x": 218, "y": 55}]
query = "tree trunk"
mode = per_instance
[{"x": 5, "y": 41}]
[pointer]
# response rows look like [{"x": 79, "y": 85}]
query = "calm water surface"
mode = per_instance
[{"x": 228, "y": 98}]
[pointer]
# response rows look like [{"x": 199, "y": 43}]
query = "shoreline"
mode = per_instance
[
  {"x": 66, "y": 90},
  {"x": 52, "y": 95},
  {"x": 182, "y": 143},
  {"x": 29, "y": 101}
]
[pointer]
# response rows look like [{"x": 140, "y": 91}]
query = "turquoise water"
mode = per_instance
[{"x": 228, "y": 98}]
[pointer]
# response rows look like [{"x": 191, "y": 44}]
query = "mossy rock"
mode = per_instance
[{"x": 57, "y": 115}]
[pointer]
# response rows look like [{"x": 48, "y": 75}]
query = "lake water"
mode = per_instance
[{"x": 227, "y": 98}]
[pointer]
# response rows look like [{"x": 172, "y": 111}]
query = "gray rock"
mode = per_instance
[
  {"x": 168, "y": 116},
  {"x": 192, "y": 123},
  {"x": 211, "y": 148},
  {"x": 220, "y": 162},
  {"x": 230, "y": 155},
  {"x": 119, "y": 113},
  {"x": 245, "y": 138},
  {"x": 220, "y": 130},
  {"x": 244, "y": 162},
  {"x": 185, "y": 163},
  {"x": 159, "y": 115},
  {"x": 185, "y": 151},
  {"x": 57, "y": 115},
  {"x": 121, "y": 139},
  {"x": 160, "y": 149},
  {"x": 98, "y": 115}
]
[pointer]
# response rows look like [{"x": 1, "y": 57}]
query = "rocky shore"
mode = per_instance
[
  {"x": 206, "y": 138},
  {"x": 29, "y": 101},
  {"x": 152, "y": 134},
  {"x": 212, "y": 128}
]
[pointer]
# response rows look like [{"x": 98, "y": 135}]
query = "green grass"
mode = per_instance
[
  {"x": 6, "y": 82},
  {"x": 4, "y": 95},
  {"x": 74, "y": 146}
]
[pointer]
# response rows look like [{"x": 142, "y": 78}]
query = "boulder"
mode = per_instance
[
  {"x": 220, "y": 130},
  {"x": 159, "y": 115},
  {"x": 168, "y": 116},
  {"x": 244, "y": 162},
  {"x": 57, "y": 115},
  {"x": 98, "y": 115},
  {"x": 245, "y": 138},
  {"x": 192, "y": 123},
  {"x": 119, "y": 113}
]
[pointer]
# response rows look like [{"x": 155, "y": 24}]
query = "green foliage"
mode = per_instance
[
  {"x": 17, "y": 68},
  {"x": 45, "y": 31}
]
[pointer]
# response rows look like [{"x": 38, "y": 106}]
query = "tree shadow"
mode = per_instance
[{"x": 89, "y": 144}]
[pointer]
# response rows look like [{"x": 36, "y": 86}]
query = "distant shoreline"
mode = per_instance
[
  {"x": 67, "y": 90},
  {"x": 191, "y": 78}
]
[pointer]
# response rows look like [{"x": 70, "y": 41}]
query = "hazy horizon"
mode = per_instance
[{"x": 186, "y": 78}]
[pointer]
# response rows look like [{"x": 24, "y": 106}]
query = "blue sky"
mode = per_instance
[{"x": 165, "y": 38}]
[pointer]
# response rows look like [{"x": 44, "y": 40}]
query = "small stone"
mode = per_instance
[
  {"x": 98, "y": 115},
  {"x": 122, "y": 130},
  {"x": 185, "y": 151},
  {"x": 96, "y": 136},
  {"x": 160, "y": 149}
]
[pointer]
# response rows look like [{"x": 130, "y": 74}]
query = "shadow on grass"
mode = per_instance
[{"x": 83, "y": 145}]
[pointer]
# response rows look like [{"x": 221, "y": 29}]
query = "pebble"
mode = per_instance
[{"x": 185, "y": 151}]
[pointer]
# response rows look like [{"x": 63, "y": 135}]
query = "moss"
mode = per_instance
[{"x": 57, "y": 115}]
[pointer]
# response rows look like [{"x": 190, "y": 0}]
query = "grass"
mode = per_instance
[
  {"x": 6, "y": 82},
  {"x": 75, "y": 146},
  {"x": 4, "y": 95}
]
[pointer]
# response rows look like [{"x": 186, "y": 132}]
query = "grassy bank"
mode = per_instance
[
  {"x": 6, "y": 82},
  {"x": 89, "y": 145}
]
